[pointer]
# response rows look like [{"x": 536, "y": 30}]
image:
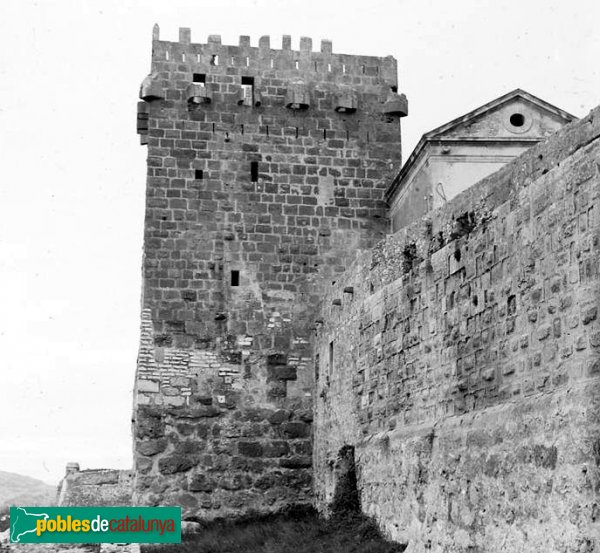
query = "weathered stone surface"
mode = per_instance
[
  {"x": 201, "y": 483},
  {"x": 461, "y": 371},
  {"x": 176, "y": 463},
  {"x": 190, "y": 527},
  {"x": 250, "y": 449},
  {"x": 151, "y": 447},
  {"x": 276, "y": 448},
  {"x": 149, "y": 424},
  {"x": 295, "y": 429},
  {"x": 279, "y": 416},
  {"x": 296, "y": 462},
  {"x": 148, "y": 386}
]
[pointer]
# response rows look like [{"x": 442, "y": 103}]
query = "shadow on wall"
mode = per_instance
[{"x": 346, "y": 499}]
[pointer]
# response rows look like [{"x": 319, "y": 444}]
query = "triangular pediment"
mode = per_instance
[{"x": 512, "y": 116}]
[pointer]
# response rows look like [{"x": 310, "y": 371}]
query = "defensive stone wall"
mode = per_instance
[
  {"x": 266, "y": 174},
  {"x": 460, "y": 359},
  {"x": 96, "y": 487}
]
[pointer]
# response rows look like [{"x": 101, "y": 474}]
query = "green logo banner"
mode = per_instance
[{"x": 95, "y": 525}]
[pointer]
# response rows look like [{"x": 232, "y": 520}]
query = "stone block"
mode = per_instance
[
  {"x": 201, "y": 483},
  {"x": 281, "y": 372},
  {"x": 279, "y": 416},
  {"x": 250, "y": 449},
  {"x": 147, "y": 386},
  {"x": 176, "y": 463},
  {"x": 149, "y": 425},
  {"x": 276, "y": 448},
  {"x": 295, "y": 429},
  {"x": 174, "y": 400},
  {"x": 151, "y": 447},
  {"x": 589, "y": 314}
]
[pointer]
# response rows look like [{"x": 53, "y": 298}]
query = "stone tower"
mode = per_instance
[{"x": 266, "y": 174}]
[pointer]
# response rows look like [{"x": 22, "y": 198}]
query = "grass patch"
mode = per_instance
[{"x": 297, "y": 530}]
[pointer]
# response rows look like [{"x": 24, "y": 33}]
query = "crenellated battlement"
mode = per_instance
[{"x": 321, "y": 65}]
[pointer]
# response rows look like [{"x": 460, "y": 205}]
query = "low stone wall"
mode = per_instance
[
  {"x": 460, "y": 358},
  {"x": 97, "y": 487}
]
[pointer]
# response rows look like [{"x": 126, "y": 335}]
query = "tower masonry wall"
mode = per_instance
[
  {"x": 266, "y": 175},
  {"x": 460, "y": 358}
]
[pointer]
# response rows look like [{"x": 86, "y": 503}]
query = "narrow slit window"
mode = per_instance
[
  {"x": 331, "y": 356},
  {"x": 199, "y": 78},
  {"x": 167, "y": 56},
  {"x": 343, "y": 67},
  {"x": 247, "y": 62},
  {"x": 198, "y": 174},
  {"x": 235, "y": 278},
  {"x": 182, "y": 57},
  {"x": 254, "y": 171},
  {"x": 198, "y": 58},
  {"x": 297, "y": 64},
  {"x": 272, "y": 64},
  {"x": 329, "y": 67}
]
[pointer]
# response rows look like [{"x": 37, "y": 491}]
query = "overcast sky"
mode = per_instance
[{"x": 73, "y": 173}]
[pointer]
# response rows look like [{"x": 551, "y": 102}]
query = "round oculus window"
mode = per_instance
[{"x": 517, "y": 119}]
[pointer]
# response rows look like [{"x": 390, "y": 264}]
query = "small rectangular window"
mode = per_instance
[
  {"x": 247, "y": 91},
  {"x": 235, "y": 278},
  {"x": 198, "y": 174},
  {"x": 214, "y": 60},
  {"x": 254, "y": 171},
  {"x": 199, "y": 78}
]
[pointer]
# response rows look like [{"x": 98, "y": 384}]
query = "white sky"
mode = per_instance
[{"x": 73, "y": 173}]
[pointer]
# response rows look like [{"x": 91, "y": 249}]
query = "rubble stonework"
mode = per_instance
[
  {"x": 107, "y": 487},
  {"x": 460, "y": 358},
  {"x": 266, "y": 174}
]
